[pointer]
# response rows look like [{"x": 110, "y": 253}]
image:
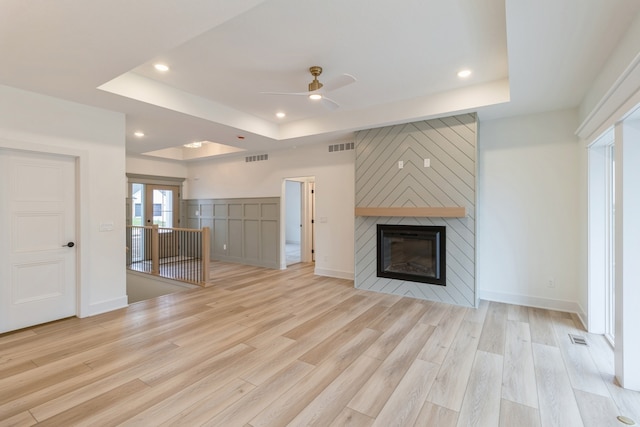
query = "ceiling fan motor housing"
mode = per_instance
[
  {"x": 315, "y": 72},
  {"x": 314, "y": 85}
]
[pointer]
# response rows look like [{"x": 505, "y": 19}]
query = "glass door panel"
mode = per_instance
[
  {"x": 161, "y": 209},
  {"x": 136, "y": 239}
]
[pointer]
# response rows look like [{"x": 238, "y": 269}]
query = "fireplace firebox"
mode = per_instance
[{"x": 412, "y": 252}]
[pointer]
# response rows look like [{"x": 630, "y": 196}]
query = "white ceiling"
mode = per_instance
[{"x": 526, "y": 56}]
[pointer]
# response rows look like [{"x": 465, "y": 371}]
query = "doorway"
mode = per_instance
[
  {"x": 293, "y": 225},
  {"x": 161, "y": 205},
  {"x": 38, "y": 255},
  {"x": 153, "y": 204},
  {"x": 298, "y": 213}
]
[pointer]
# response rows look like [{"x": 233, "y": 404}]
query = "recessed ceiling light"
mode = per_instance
[
  {"x": 464, "y": 74},
  {"x": 280, "y": 115},
  {"x": 196, "y": 144},
  {"x": 161, "y": 67},
  {"x": 139, "y": 134},
  {"x": 315, "y": 96}
]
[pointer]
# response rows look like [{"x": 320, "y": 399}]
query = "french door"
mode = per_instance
[
  {"x": 161, "y": 205},
  {"x": 153, "y": 204},
  {"x": 161, "y": 208}
]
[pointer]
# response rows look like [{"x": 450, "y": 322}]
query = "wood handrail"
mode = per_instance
[{"x": 149, "y": 227}]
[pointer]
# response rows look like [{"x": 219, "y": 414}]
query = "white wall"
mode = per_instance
[
  {"x": 334, "y": 186},
  {"x": 34, "y": 122},
  {"x": 157, "y": 167},
  {"x": 530, "y": 213}
]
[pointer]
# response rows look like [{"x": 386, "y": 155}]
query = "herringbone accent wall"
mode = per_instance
[{"x": 450, "y": 144}]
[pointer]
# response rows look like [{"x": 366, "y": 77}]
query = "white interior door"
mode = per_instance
[{"x": 37, "y": 252}]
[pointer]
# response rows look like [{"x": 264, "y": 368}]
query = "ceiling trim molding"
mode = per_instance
[
  {"x": 140, "y": 88},
  {"x": 615, "y": 105},
  {"x": 442, "y": 104},
  {"x": 154, "y": 179}
]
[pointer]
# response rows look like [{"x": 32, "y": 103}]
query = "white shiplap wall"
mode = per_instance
[{"x": 451, "y": 146}]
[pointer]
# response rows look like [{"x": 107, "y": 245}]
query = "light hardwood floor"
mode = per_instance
[{"x": 273, "y": 348}]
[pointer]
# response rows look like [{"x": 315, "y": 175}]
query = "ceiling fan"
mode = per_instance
[{"x": 317, "y": 90}]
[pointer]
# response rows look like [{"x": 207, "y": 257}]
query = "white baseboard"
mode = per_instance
[
  {"x": 529, "y": 301},
  {"x": 334, "y": 273},
  {"x": 105, "y": 306}
]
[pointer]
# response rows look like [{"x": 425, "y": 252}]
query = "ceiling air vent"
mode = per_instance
[
  {"x": 256, "y": 158},
  {"x": 342, "y": 147}
]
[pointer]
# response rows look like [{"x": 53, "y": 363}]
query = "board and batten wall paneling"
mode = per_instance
[
  {"x": 450, "y": 144},
  {"x": 243, "y": 230}
]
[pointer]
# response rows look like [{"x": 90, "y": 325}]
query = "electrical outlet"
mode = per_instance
[
  {"x": 400, "y": 164},
  {"x": 224, "y": 246},
  {"x": 551, "y": 283}
]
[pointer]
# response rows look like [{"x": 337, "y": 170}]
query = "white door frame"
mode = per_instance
[
  {"x": 307, "y": 232},
  {"x": 598, "y": 256},
  {"x": 293, "y": 218}
]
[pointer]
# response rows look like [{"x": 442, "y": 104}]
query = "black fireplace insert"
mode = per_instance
[{"x": 412, "y": 252}]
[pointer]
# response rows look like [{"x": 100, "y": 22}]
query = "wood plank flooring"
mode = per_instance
[{"x": 263, "y": 347}]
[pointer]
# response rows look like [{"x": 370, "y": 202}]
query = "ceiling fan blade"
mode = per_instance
[
  {"x": 329, "y": 104},
  {"x": 286, "y": 93},
  {"x": 338, "y": 82}
]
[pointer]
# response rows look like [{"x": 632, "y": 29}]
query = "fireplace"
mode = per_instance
[{"x": 412, "y": 252}]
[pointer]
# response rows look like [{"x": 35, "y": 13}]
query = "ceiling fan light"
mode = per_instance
[{"x": 315, "y": 96}]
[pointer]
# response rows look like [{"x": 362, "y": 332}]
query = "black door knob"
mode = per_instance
[{"x": 70, "y": 245}]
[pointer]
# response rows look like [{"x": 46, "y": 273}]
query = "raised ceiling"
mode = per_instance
[{"x": 525, "y": 56}]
